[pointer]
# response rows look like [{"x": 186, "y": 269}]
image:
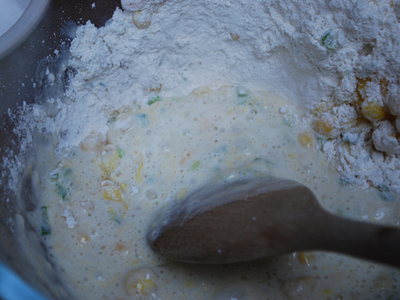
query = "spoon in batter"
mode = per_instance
[{"x": 263, "y": 217}]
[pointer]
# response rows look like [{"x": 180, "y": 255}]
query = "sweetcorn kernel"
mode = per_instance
[
  {"x": 83, "y": 239},
  {"x": 112, "y": 194},
  {"x": 202, "y": 90},
  {"x": 181, "y": 194},
  {"x": 140, "y": 281},
  {"x": 108, "y": 164},
  {"x": 362, "y": 82},
  {"x": 384, "y": 87},
  {"x": 142, "y": 18},
  {"x": 91, "y": 143},
  {"x": 305, "y": 258},
  {"x": 299, "y": 288},
  {"x": 234, "y": 36},
  {"x": 306, "y": 139},
  {"x": 324, "y": 126},
  {"x": 111, "y": 191},
  {"x": 373, "y": 111}
]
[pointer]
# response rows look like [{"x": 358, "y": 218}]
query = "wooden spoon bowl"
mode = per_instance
[{"x": 262, "y": 217}]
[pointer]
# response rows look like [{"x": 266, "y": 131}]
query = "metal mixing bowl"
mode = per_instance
[
  {"x": 21, "y": 83},
  {"x": 23, "y": 26}
]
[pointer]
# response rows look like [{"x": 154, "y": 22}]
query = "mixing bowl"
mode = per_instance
[
  {"x": 19, "y": 18},
  {"x": 21, "y": 82}
]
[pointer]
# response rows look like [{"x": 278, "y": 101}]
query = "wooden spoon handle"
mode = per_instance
[{"x": 365, "y": 240}]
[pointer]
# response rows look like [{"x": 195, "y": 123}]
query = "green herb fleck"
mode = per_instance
[
  {"x": 345, "y": 181},
  {"x": 61, "y": 191},
  {"x": 195, "y": 166},
  {"x": 153, "y": 100},
  {"x": 44, "y": 227},
  {"x": 385, "y": 193},
  {"x": 340, "y": 212},
  {"x": 241, "y": 91},
  {"x": 114, "y": 216},
  {"x": 321, "y": 141},
  {"x": 113, "y": 117},
  {"x": 143, "y": 120},
  {"x": 328, "y": 40},
  {"x": 67, "y": 172},
  {"x": 44, "y": 212},
  {"x": 258, "y": 159},
  {"x": 54, "y": 176},
  {"x": 120, "y": 152},
  {"x": 288, "y": 122}
]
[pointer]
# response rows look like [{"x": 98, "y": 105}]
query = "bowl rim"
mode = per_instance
[
  {"x": 28, "y": 21},
  {"x": 13, "y": 287}
]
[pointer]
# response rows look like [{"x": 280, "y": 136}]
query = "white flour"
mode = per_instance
[
  {"x": 340, "y": 59},
  {"x": 337, "y": 59}
]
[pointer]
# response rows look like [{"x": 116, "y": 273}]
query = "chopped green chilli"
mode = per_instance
[
  {"x": 67, "y": 172},
  {"x": 143, "y": 120},
  {"x": 61, "y": 191},
  {"x": 113, "y": 117},
  {"x": 120, "y": 152},
  {"x": 44, "y": 227},
  {"x": 241, "y": 91},
  {"x": 328, "y": 40},
  {"x": 195, "y": 166},
  {"x": 54, "y": 176},
  {"x": 153, "y": 100}
]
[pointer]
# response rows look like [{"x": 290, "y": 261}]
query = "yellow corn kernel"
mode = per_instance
[
  {"x": 112, "y": 194},
  {"x": 139, "y": 175},
  {"x": 234, "y": 36},
  {"x": 120, "y": 248},
  {"x": 83, "y": 239},
  {"x": 111, "y": 190},
  {"x": 324, "y": 126},
  {"x": 91, "y": 143},
  {"x": 142, "y": 18},
  {"x": 306, "y": 139},
  {"x": 202, "y": 90},
  {"x": 362, "y": 82},
  {"x": 373, "y": 111},
  {"x": 299, "y": 288},
  {"x": 140, "y": 282},
  {"x": 383, "y": 282},
  {"x": 155, "y": 88},
  {"x": 384, "y": 87},
  {"x": 305, "y": 258},
  {"x": 181, "y": 194},
  {"x": 108, "y": 165}
]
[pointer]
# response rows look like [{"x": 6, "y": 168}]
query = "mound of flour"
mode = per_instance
[{"x": 339, "y": 58}]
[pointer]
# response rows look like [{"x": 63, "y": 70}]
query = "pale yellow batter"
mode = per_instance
[{"x": 98, "y": 200}]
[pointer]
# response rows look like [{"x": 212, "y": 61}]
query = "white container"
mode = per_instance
[{"x": 18, "y": 18}]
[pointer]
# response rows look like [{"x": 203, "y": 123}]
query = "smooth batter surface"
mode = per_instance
[{"x": 98, "y": 200}]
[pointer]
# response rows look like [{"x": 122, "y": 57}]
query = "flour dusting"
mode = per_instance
[
  {"x": 318, "y": 78},
  {"x": 339, "y": 59}
]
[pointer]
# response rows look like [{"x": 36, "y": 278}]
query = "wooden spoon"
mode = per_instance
[{"x": 262, "y": 217}]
